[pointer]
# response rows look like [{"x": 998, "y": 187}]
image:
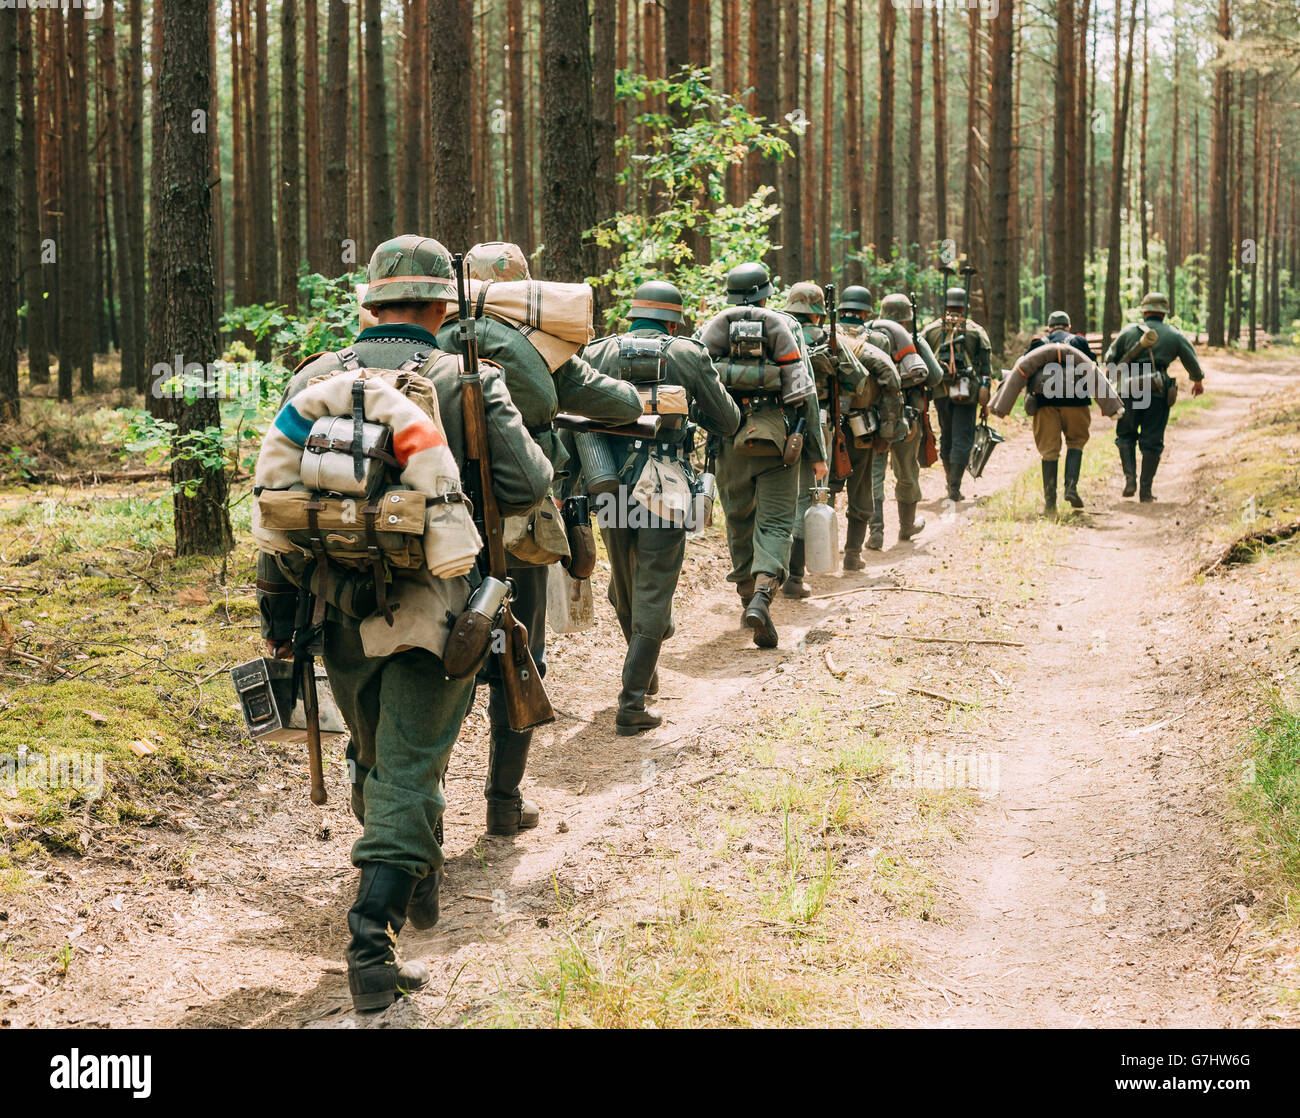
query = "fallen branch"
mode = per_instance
[
  {"x": 896, "y": 589},
  {"x": 956, "y": 701},
  {"x": 838, "y": 673},
  {"x": 950, "y": 640},
  {"x": 1244, "y": 548}
]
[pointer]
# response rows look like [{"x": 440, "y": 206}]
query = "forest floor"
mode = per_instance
[{"x": 1017, "y": 772}]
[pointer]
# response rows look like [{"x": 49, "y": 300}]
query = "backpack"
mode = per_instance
[
  {"x": 367, "y": 493},
  {"x": 748, "y": 368},
  {"x": 642, "y": 361}
]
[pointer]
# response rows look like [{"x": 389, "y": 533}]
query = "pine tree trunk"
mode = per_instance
[
  {"x": 1063, "y": 188},
  {"x": 1174, "y": 221},
  {"x": 916, "y": 128},
  {"x": 10, "y": 295},
  {"x": 731, "y": 82},
  {"x": 1080, "y": 172},
  {"x": 970, "y": 216},
  {"x": 451, "y": 124},
  {"x": 183, "y": 292},
  {"x": 380, "y": 198},
  {"x": 520, "y": 219},
  {"x": 825, "y": 258},
  {"x": 336, "y": 255},
  {"x": 604, "y": 67},
  {"x": 411, "y": 122},
  {"x": 81, "y": 196},
  {"x": 289, "y": 218},
  {"x": 1000, "y": 154},
  {"x": 33, "y": 142},
  {"x": 768, "y": 60},
  {"x": 568, "y": 143},
  {"x": 1111, "y": 309},
  {"x": 939, "y": 64},
  {"x": 884, "y": 185},
  {"x": 794, "y": 268},
  {"x": 312, "y": 141},
  {"x": 133, "y": 151},
  {"x": 126, "y": 288},
  {"x": 239, "y": 155},
  {"x": 1142, "y": 154},
  {"x": 264, "y": 246},
  {"x": 677, "y": 34}
]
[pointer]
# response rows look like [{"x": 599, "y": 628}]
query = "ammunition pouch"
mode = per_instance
[{"x": 537, "y": 536}]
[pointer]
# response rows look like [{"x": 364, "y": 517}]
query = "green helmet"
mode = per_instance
[
  {"x": 409, "y": 269},
  {"x": 805, "y": 298},
  {"x": 1059, "y": 318},
  {"x": 657, "y": 299},
  {"x": 896, "y": 308},
  {"x": 500, "y": 261},
  {"x": 747, "y": 284},
  {"x": 855, "y": 298},
  {"x": 1155, "y": 302},
  {"x": 955, "y": 298}
]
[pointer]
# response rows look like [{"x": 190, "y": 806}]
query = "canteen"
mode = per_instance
[{"x": 820, "y": 534}]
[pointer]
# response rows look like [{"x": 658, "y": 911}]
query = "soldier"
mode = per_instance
[
  {"x": 806, "y": 304},
  {"x": 1061, "y": 411},
  {"x": 761, "y": 362},
  {"x": 645, "y": 551},
  {"x": 575, "y": 387},
  {"x": 1147, "y": 387},
  {"x": 863, "y": 505},
  {"x": 963, "y": 350},
  {"x": 404, "y": 714},
  {"x": 905, "y": 454}
]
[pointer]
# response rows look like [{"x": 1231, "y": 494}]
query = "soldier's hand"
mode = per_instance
[
  {"x": 820, "y": 470},
  {"x": 1198, "y": 386},
  {"x": 280, "y": 650}
]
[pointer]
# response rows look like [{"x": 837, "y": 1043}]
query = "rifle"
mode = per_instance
[
  {"x": 526, "y": 702},
  {"x": 929, "y": 451},
  {"x": 304, "y": 670},
  {"x": 840, "y": 464}
]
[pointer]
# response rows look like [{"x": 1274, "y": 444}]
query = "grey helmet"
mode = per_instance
[
  {"x": 896, "y": 308},
  {"x": 657, "y": 299},
  {"x": 1058, "y": 318},
  {"x": 748, "y": 284},
  {"x": 955, "y": 298},
  {"x": 855, "y": 298}
]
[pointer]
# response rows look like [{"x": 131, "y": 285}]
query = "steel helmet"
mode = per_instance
[
  {"x": 1155, "y": 302},
  {"x": 657, "y": 299},
  {"x": 748, "y": 283},
  {"x": 409, "y": 269},
  {"x": 1059, "y": 318},
  {"x": 955, "y": 297},
  {"x": 896, "y": 308},
  {"x": 805, "y": 298},
  {"x": 855, "y": 298},
  {"x": 496, "y": 260}
]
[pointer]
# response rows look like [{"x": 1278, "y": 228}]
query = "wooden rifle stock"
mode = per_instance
[
  {"x": 841, "y": 465},
  {"x": 304, "y": 664},
  {"x": 527, "y": 704}
]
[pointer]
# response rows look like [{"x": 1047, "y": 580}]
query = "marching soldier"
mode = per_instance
[
  {"x": 404, "y": 714},
  {"x": 963, "y": 350},
  {"x": 863, "y": 505},
  {"x": 761, "y": 363},
  {"x": 905, "y": 455},
  {"x": 1061, "y": 412},
  {"x": 575, "y": 387},
  {"x": 806, "y": 304},
  {"x": 646, "y": 551},
  {"x": 1148, "y": 389}
]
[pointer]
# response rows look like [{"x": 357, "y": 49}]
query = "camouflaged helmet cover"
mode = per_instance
[
  {"x": 498, "y": 261},
  {"x": 1059, "y": 318},
  {"x": 805, "y": 298},
  {"x": 748, "y": 284},
  {"x": 659, "y": 300},
  {"x": 1155, "y": 302},
  {"x": 409, "y": 269},
  {"x": 855, "y": 297},
  {"x": 896, "y": 308}
]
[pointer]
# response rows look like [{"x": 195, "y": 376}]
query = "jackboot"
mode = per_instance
[
  {"x": 758, "y": 614},
  {"x": 1049, "y": 487},
  {"x": 876, "y": 538},
  {"x": 745, "y": 591},
  {"x": 1150, "y": 463},
  {"x": 1073, "y": 466},
  {"x": 853, "y": 545},
  {"x": 954, "y": 472},
  {"x": 422, "y": 912},
  {"x": 507, "y": 811},
  {"x": 794, "y": 586},
  {"x": 633, "y": 716},
  {"x": 909, "y": 524},
  {"x": 1128, "y": 458},
  {"x": 375, "y": 975}
]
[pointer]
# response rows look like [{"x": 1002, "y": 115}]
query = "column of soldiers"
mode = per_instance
[{"x": 758, "y": 384}]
